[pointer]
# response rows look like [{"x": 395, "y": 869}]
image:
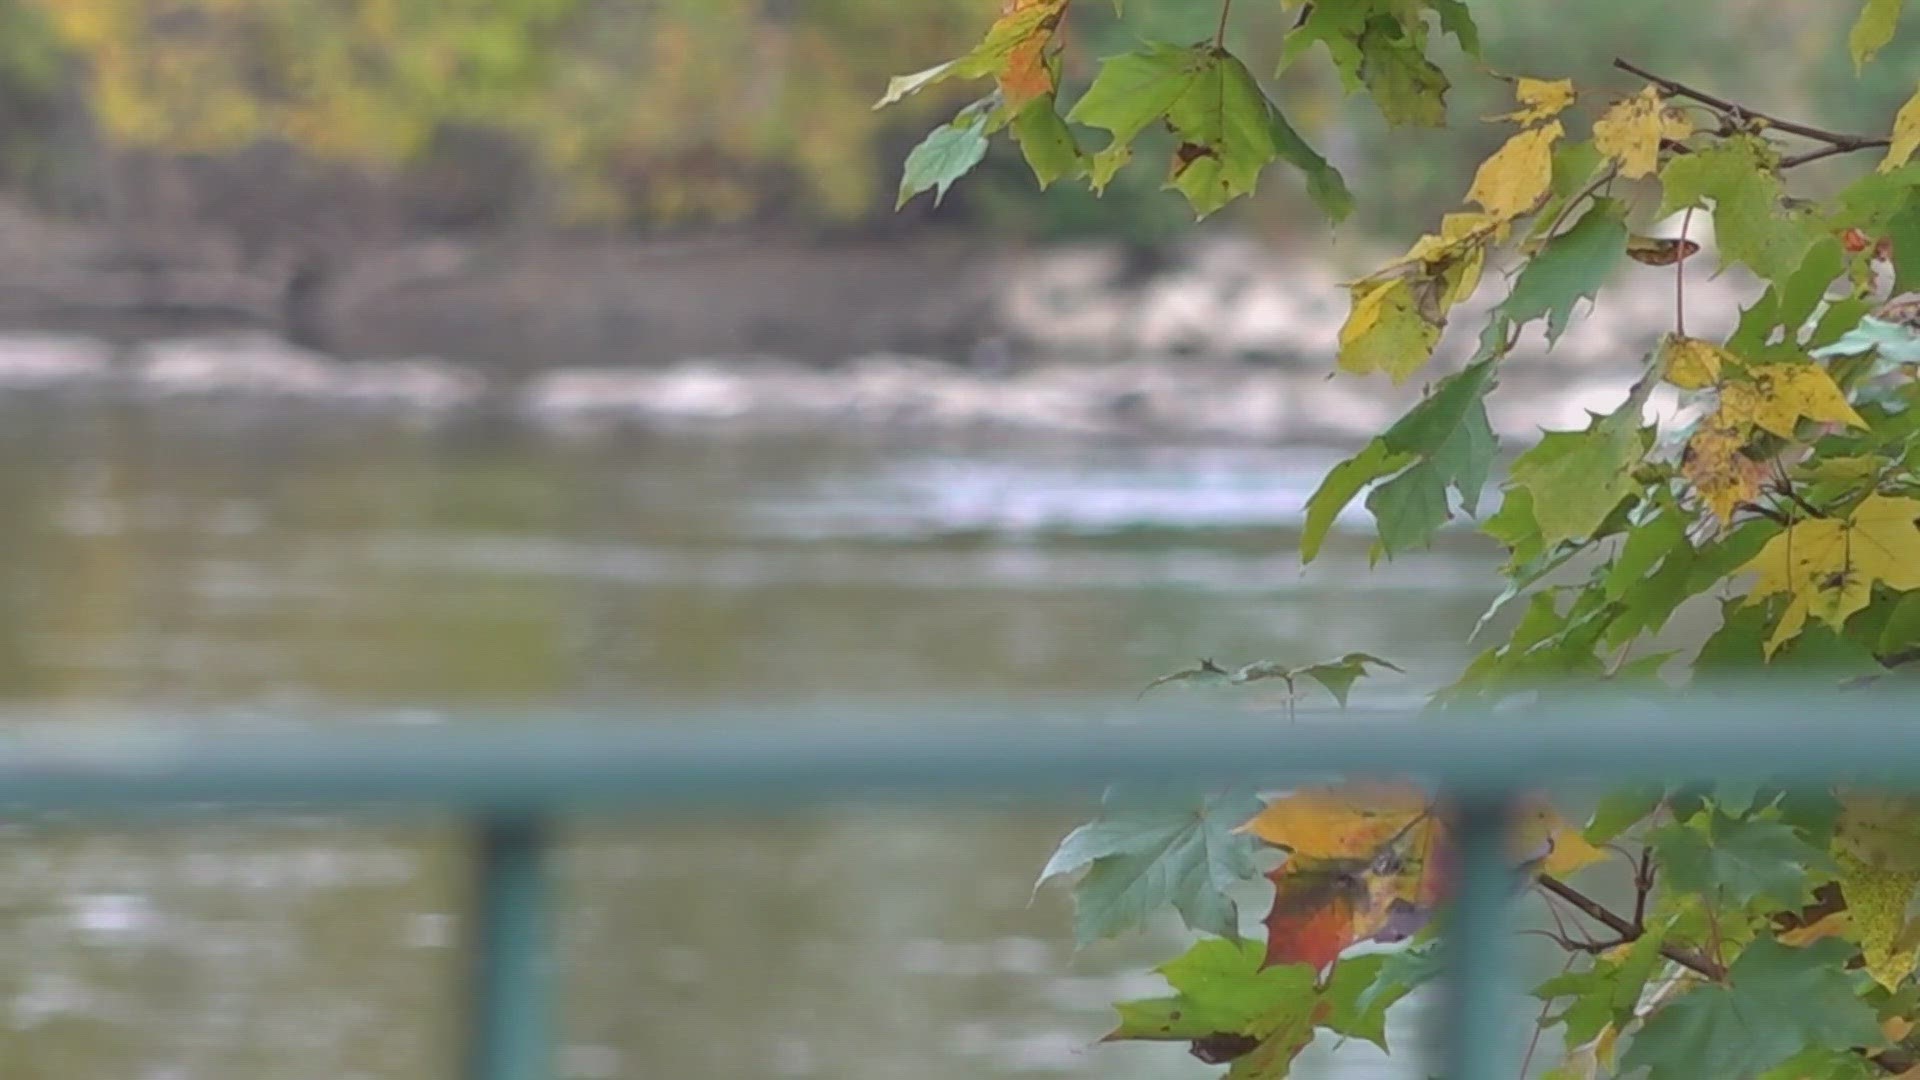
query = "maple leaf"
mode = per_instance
[
  {"x": 1781, "y": 395},
  {"x": 1025, "y": 74},
  {"x": 1714, "y": 463},
  {"x": 1693, "y": 364},
  {"x": 1046, "y": 142},
  {"x": 1540, "y": 99},
  {"x": 1906, "y": 135},
  {"x": 1013, "y": 50},
  {"x": 1205, "y": 671},
  {"x": 1229, "y": 1008},
  {"x": 1338, "y": 821},
  {"x": 1629, "y": 132},
  {"x": 1386, "y": 331},
  {"x": 1366, "y": 861},
  {"x": 1879, "y": 830},
  {"x": 1322, "y": 906},
  {"x": 1572, "y": 267},
  {"x": 1828, "y": 566},
  {"x": 1872, "y": 29},
  {"x": 1877, "y": 898},
  {"x": 949, "y": 152},
  {"x": 1516, "y": 178},
  {"x": 1775, "y": 1002},
  {"x": 1141, "y": 858},
  {"x": 1576, "y": 478}
]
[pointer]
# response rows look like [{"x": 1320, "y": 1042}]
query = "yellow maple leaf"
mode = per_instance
[
  {"x": 1781, "y": 395},
  {"x": 1880, "y": 829},
  {"x": 1714, "y": 464},
  {"x": 1906, "y": 135},
  {"x": 1459, "y": 233},
  {"x": 1675, "y": 125},
  {"x": 1386, "y": 331},
  {"x": 1691, "y": 363},
  {"x": 1353, "y": 821},
  {"x": 1877, "y": 897},
  {"x": 1516, "y": 178},
  {"x": 1343, "y": 821},
  {"x": 1540, "y": 99},
  {"x": 1629, "y": 133},
  {"x": 1828, "y": 566},
  {"x": 1833, "y": 924},
  {"x": 1541, "y": 828}
]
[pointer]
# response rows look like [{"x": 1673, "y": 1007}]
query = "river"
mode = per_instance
[{"x": 268, "y": 567}]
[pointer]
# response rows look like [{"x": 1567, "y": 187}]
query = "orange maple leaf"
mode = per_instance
[{"x": 1026, "y": 75}]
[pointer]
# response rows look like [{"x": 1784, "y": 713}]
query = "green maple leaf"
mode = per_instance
[
  {"x": 1225, "y": 127},
  {"x": 1647, "y": 546},
  {"x": 1455, "y": 19},
  {"x": 1606, "y": 993},
  {"x": 1342, "y": 483},
  {"x": 1741, "y": 859},
  {"x": 1222, "y": 996},
  {"x": 1228, "y": 131},
  {"x": 1046, "y": 142},
  {"x": 949, "y": 152},
  {"x": 1572, "y": 267},
  {"x": 1140, "y": 860},
  {"x": 1362, "y": 989},
  {"x": 1777, "y": 1002},
  {"x": 1448, "y": 443},
  {"x": 1407, "y": 86},
  {"x": 1135, "y": 89},
  {"x": 1620, "y": 810},
  {"x": 1750, "y": 223},
  {"x": 1410, "y": 508},
  {"x": 1325, "y": 186},
  {"x": 1872, "y": 29},
  {"x": 1576, "y": 478}
]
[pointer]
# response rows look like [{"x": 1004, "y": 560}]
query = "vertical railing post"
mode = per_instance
[
  {"x": 509, "y": 1027},
  {"x": 1477, "y": 1043}
]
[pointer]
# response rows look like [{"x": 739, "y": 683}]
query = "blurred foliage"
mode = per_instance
[{"x": 689, "y": 113}]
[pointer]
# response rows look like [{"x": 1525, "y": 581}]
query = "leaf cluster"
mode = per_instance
[{"x": 1768, "y": 931}]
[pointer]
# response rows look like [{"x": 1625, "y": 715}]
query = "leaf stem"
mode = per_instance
[
  {"x": 1220, "y": 35},
  {"x": 1837, "y": 142},
  {"x": 1580, "y": 196}
]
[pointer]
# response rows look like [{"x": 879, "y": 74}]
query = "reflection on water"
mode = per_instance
[{"x": 254, "y": 569}]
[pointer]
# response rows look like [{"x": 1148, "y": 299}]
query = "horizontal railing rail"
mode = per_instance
[{"x": 512, "y": 778}]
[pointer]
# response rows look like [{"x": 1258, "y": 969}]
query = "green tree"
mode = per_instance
[{"x": 1768, "y": 935}]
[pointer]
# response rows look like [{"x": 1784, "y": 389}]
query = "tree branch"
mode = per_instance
[
  {"x": 1690, "y": 959},
  {"x": 1830, "y": 151},
  {"x": 1837, "y": 142}
]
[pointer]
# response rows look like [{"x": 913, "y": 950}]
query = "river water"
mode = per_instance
[{"x": 260, "y": 568}]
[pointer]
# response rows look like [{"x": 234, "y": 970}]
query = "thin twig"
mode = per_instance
[
  {"x": 1830, "y": 151},
  {"x": 1767, "y": 512},
  {"x": 1642, "y": 886},
  {"x": 1722, "y": 105},
  {"x": 1220, "y": 35},
  {"x": 1540, "y": 1025},
  {"x": 1690, "y": 959},
  {"x": 1680, "y": 279}
]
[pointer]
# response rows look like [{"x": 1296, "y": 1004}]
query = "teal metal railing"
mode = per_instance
[{"x": 514, "y": 781}]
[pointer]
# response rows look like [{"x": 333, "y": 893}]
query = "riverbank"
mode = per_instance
[{"x": 1219, "y": 340}]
